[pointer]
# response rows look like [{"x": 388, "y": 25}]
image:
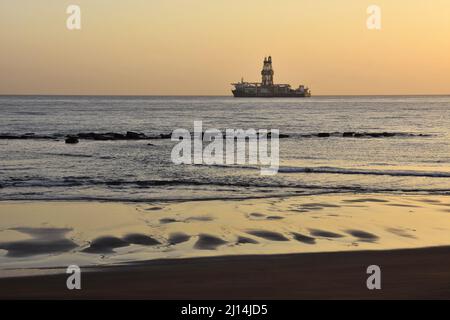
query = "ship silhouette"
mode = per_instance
[{"x": 266, "y": 88}]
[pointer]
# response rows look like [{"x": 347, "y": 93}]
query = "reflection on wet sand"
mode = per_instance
[
  {"x": 245, "y": 240},
  {"x": 208, "y": 242},
  {"x": 105, "y": 244},
  {"x": 303, "y": 238},
  {"x": 178, "y": 237},
  {"x": 363, "y": 235},
  {"x": 44, "y": 241},
  {"x": 402, "y": 205},
  {"x": 364, "y": 200},
  {"x": 325, "y": 234},
  {"x": 167, "y": 220},
  {"x": 400, "y": 233},
  {"x": 140, "y": 239},
  {"x": 268, "y": 235}
]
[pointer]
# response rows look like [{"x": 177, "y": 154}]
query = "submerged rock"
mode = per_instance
[
  {"x": 132, "y": 135},
  {"x": 71, "y": 140},
  {"x": 135, "y": 135},
  {"x": 111, "y": 136},
  {"x": 165, "y": 136},
  {"x": 323, "y": 135},
  {"x": 375, "y": 135}
]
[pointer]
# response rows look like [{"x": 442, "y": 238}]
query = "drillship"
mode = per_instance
[{"x": 267, "y": 89}]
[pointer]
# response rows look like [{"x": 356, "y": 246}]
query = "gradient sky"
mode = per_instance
[{"x": 198, "y": 47}]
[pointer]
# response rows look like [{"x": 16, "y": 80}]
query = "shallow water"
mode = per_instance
[{"x": 415, "y": 160}]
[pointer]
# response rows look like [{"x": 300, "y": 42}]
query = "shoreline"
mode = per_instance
[
  {"x": 308, "y": 247},
  {"x": 406, "y": 274},
  {"x": 37, "y": 235}
]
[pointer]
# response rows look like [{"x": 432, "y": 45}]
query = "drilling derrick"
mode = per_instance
[{"x": 267, "y": 73}]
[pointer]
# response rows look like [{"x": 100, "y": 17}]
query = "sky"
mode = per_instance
[{"x": 199, "y": 47}]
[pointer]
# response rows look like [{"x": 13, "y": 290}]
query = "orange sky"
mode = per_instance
[{"x": 198, "y": 47}]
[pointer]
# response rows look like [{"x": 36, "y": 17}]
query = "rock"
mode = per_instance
[
  {"x": 29, "y": 135},
  {"x": 323, "y": 135},
  {"x": 134, "y": 135},
  {"x": 375, "y": 135},
  {"x": 109, "y": 136},
  {"x": 165, "y": 135},
  {"x": 89, "y": 135},
  {"x": 71, "y": 140},
  {"x": 102, "y": 137},
  {"x": 269, "y": 135},
  {"x": 117, "y": 136},
  {"x": 8, "y": 136}
]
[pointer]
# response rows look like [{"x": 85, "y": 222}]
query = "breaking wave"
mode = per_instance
[{"x": 394, "y": 173}]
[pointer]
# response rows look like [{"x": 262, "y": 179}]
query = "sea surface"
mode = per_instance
[{"x": 411, "y": 156}]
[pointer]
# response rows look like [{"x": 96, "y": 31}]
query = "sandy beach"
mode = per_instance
[
  {"x": 407, "y": 274},
  {"x": 291, "y": 247}
]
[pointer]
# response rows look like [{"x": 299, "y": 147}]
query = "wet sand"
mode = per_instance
[
  {"x": 291, "y": 247},
  {"x": 406, "y": 274}
]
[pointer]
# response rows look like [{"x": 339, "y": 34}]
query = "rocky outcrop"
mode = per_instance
[
  {"x": 25, "y": 136},
  {"x": 323, "y": 135},
  {"x": 352, "y": 134},
  {"x": 132, "y": 135}
]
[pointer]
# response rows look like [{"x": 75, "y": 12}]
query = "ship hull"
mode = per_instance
[{"x": 238, "y": 94}]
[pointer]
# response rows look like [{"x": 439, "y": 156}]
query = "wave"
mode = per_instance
[
  {"x": 394, "y": 173},
  {"x": 73, "y": 155},
  {"x": 263, "y": 186},
  {"x": 177, "y": 198}
]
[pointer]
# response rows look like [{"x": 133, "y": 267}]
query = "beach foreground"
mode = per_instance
[
  {"x": 316, "y": 246},
  {"x": 406, "y": 274}
]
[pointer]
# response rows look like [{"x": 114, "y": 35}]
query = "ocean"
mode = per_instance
[{"x": 401, "y": 146}]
